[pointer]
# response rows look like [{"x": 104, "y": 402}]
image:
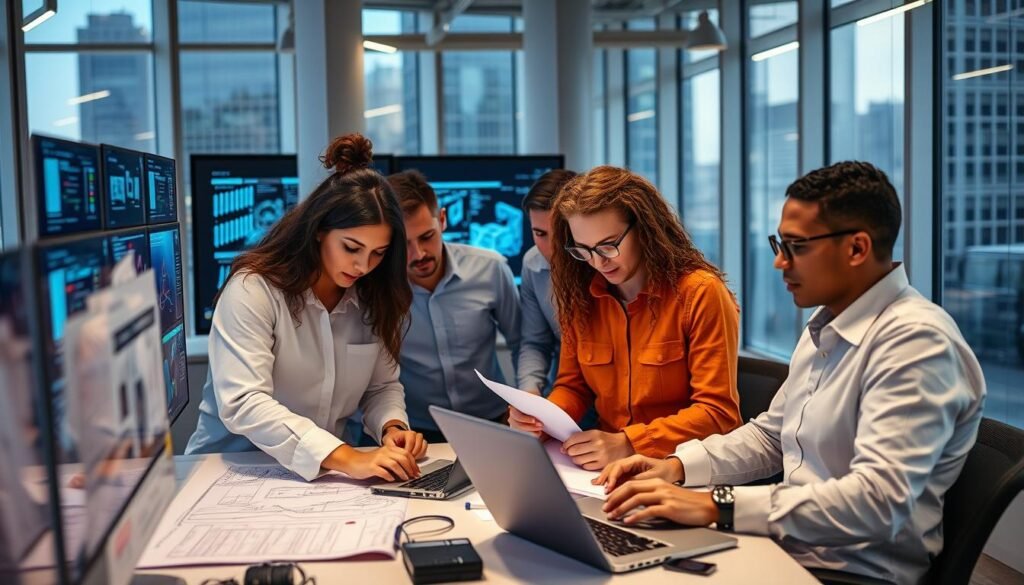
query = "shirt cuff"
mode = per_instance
[
  {"x": 640, "y": 439},
  {"x": 373, "y": 421},
  {"x": 314, "y": 446},
  {"x": 696, "y": 463},
  {"x": 750, "y": 512}
]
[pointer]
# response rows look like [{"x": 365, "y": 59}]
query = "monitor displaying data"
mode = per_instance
[
  {"x": 161, "y": 188},
  {"x": 165, "y": 257},
  {"x": 235, "y": 202},
  {"x": 175, "y": 366},
  {"x": 123, "y": 204},
  {"x": 119, "y": 244},
  {"x": 67, "y": 186},
  {"x": 483, "y": 197}
]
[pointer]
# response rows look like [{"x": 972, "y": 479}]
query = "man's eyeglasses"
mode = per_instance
[
  {"x": 789, "y": 247},
  {"x": 586, "y": 253}
]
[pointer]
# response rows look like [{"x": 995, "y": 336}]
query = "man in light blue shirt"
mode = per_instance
[
  {"x": 542, "y": 335},
  {"x": 462, "y": 296},
  {"x": 873, "y": 424}
]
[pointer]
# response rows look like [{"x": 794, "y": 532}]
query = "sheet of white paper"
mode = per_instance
[
  {"x": 556, "y": 422},
  {"x": 240, "y": 514},
  {"x": 576, "y": 479}
]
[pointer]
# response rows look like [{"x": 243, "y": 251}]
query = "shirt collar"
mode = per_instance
[
  {"x": 536, "y": 261},
  {"x": 351, "y": 296},
  {"x": 853, "y": 323}
]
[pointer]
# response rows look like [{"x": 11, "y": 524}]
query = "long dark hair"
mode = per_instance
[
  {"x": 353, "y": 195},
  {"x": 668, "y": 252}
]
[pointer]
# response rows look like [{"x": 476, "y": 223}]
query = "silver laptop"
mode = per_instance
[
  {"x": 439, "y": 480},
  {"x": 524, "y": 493}
]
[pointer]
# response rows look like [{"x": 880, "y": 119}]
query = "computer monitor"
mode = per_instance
[
  {"x": 106, "y": 422},
  {"x": 161, "y": 187},
  {"x": 383, "y": 164},
  {"x": 165, "y": 255},
  {"x": 235, "y": 201},
  {"x": 28, "y": 552},
  {"x": 175, "y": 370},
  {"x": 123, "y": 204},
  {"x": 483, "y": 196},
  {"x": 120, "y": 243},
  {"x": 67, "y": 186}
]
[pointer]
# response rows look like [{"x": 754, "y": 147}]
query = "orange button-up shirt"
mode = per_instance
[{"x": 662, "y": 369}]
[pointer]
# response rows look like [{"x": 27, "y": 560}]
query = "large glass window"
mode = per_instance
[
  {"x": 766, "y": 17},
  {"x": 479, "y": 93},
  {"x": 982, "y": 192},
  {"x": 867, "y": 81},
  {"x": 642, "y": 107},
  {"x": 96, "y": 95},
  {"x": 701, "y": 154},
  {"x": 772, "y": 324},
  {"x": 391, "y": 86}
]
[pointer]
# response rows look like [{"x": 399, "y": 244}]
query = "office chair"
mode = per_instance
[
  {"x": 991, "y": 478},
  {"x": 758, "y": 381}
]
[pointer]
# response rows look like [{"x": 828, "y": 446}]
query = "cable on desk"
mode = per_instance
[
  {"x": 269, "y": 574},
  {"x": 400, "y": 529}
]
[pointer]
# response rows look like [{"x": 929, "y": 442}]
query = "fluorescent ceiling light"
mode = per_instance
[
  {"x": 150, "y": 135},
  {"x": 891, "y": 12},
  {"x": 66, "y": 121},
  {"x": 38, "y": 20},
  {"x": 641, "y": 115},
  {"x": 89, "y": 97},
  {"x": 383, "y": 111},
  {"x": 982, "y": 72},
  {"x": 380, "y": 47},
  {"x": 780, "y": 50}
]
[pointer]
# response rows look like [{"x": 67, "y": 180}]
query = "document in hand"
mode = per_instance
[{"x": 556, "y": 422}]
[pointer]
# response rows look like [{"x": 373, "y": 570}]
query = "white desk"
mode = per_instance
[{"x": 510, "y": 559}]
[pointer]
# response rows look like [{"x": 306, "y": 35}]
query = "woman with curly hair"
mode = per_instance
[
  {"x": 650, "y": 331},
  {"x": 308, "y": 329}
]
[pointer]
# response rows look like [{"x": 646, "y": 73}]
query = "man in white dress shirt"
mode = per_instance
[{"x": 873, "y": 424}]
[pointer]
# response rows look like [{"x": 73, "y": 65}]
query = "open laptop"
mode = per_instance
[
  {"x": 524, "y": 493},
  {"x": 439, "y": 480}
]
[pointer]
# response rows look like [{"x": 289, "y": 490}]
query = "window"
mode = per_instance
[
  {"x": 867, "y": 80},
  {"x": 772, "y": 324},
  {"x": 701, "y": 154},
  {"x": 479, "y": 92},
  {"x": 981, "y": 276},
  {"x": 391, "y": 92},
  {"x": 95, "y": 95},
  {"x": 599, "y": 152},
  {"x": 769, "y": 16},
  {"x": 642, "y": 107}
]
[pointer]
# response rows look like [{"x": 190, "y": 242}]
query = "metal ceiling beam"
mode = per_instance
[{"x": 443, "y": 20}]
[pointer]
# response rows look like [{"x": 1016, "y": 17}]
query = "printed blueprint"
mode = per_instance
[{"x": 229, "y": 513}]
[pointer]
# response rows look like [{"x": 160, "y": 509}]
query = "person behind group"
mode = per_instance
[
  {"x": 873, "y": 424},
  {"x": 541, "y": 333},
  {"x": 462, "y": 295},
  {"x": 650, "y": 332},
  {"x": 308, "y": 329}
]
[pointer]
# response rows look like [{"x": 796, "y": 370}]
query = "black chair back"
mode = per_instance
[
  {"x": 758, "y": 381},
  {"x": 991, "y": 478}
]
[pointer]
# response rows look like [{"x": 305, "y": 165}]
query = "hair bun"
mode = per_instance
[{"x": 348, "y": 153}]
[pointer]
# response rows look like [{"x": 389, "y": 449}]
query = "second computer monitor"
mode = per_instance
[
  {"x": 483, "y": 196},
  {"x": 67, "y": 186},
  {"x": 123, "y": 203},
  {"x": 161, "y": 189}
]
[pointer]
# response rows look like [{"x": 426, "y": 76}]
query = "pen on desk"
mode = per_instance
[{"x": 471, "y": 506}]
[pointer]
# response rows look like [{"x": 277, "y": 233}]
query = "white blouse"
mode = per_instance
[{"x": 288, "y": 387}]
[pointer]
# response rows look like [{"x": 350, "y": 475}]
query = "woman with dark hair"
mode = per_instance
[
  {"x": 308, "y": 329},
  {"x": 650, "y": 333}
]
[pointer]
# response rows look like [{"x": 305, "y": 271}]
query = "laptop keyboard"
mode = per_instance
[
  {"x": 618, "y": 542},
  {"x": 431, "y": 482}
]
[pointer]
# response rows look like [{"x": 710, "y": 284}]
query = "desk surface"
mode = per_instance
[{"x": 510, "y": 559}]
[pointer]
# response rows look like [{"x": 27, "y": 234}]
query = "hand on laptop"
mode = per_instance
[
  {"x": 592, "y": 450},
  {"x": 639, "y": 467},
  {"x": 410, "y": 441},
  {"x": 660, "y": 499},
  {"x": 388, "y": 462},
  {"x": 524, "y": 422}
]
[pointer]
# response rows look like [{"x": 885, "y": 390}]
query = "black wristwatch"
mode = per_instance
[
  {"x": 399, "y": 426},
  {"x": 723, "y": 498}
]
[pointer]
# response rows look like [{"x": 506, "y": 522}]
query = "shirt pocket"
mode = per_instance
[
  {"x": 662, "y": 375},
  {"x": 595, "y": 360}
]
